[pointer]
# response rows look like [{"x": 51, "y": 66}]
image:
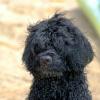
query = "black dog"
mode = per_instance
[{"x": 56, "y": 53}]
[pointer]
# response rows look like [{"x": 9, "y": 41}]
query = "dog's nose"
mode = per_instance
[{"x": 45, "y": 60}]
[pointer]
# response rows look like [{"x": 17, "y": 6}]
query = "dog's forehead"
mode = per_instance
[{"x": 54, "y": 28}]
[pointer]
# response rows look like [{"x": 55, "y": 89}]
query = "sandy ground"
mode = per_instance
[{"x": 15, "y": 16}]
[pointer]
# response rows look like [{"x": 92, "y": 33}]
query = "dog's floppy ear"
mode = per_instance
[
  {"x": 28, "y": 54},
  {"x": 81, "y": 55}
]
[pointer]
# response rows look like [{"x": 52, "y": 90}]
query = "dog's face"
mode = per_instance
[
  {"x": 55, "y": 46},
  {"x": 48, "y": 63}
]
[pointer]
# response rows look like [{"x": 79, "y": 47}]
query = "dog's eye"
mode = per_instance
[
  {"x": 67, "y": 43},
  {"x": 37, "y": 48},
  {"x": 70, "y": 41}
]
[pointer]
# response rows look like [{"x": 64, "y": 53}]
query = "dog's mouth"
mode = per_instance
[
  {"x": 52, "y": 73},
  {"x": 49, "y": 70},
  {"x": 46, "y": 72}
]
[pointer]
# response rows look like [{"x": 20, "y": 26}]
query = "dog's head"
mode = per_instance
[{"x": 54, "y": 46}]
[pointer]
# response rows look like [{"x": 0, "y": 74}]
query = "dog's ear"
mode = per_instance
[
  {"x": 28, "y": 54},
  {"x": 80, "y": 55}
]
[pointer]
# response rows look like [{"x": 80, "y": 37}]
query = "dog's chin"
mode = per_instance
[{"x": 47, "y": 73}]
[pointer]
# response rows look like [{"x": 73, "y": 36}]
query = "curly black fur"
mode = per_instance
[{"x": 56, "y": 53}]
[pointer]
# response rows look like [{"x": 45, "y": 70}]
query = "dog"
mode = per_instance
[{"x": 56, "y": 54}]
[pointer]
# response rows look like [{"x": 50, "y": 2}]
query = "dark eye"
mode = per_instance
[
  {"x": 70, "y": 41},
  {"x": 37, "y": 48},
  {"x": 67, "y": 43}
]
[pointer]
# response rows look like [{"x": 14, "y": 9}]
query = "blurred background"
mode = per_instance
[{"x": 16, "y": 15}]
